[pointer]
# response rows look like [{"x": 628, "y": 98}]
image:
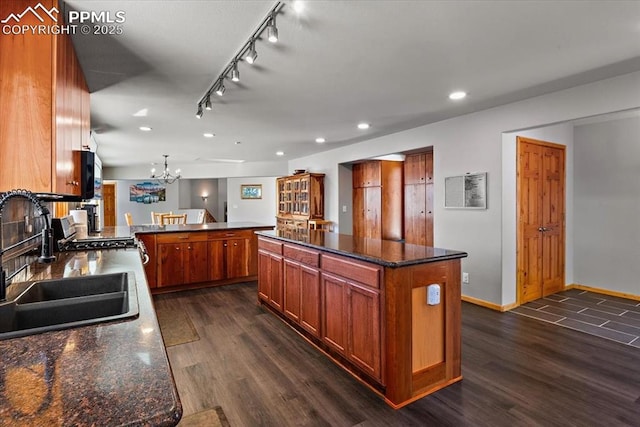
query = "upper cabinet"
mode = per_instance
[{"x": 44, "y": 110}]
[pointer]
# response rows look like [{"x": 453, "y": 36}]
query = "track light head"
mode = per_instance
[
  {"x": 235, "y": 74},
  {"x": 252, "y": 55},
  {"x": 207, "y": 103},
  {"x": 220, "y": 90},
  {"x": 199, "y": 113},
  {"x": 272, "y": 30}
]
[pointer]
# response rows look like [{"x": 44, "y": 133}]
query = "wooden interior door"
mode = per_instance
[
  {"x": 541, "y": 213},
  {"x": 109, "y": 201}
]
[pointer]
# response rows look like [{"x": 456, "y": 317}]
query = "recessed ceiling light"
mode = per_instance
[
  {"x": 298, "y": 6},
  {"x": 141, "y": 113},
  {"x": 457, "y": 95},
  {"x": 279, "y": 153},
  {"x": 363, "y": 125},
  {"x": 209, "y": 135},
  {"x": 145, "y": 128},
  {"x": 320, "y": 140}
]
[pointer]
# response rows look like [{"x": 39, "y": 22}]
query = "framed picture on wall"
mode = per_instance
[{"x": 251, "y": 191}]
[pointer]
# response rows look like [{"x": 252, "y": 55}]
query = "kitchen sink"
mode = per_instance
[{"x": 50, "y": 305}]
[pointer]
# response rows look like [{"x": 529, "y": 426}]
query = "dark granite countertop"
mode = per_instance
[
  {"x": 387, "y": 253},
  {"x": 212, "y": 226},
  {"x": 111, "y": 374}
]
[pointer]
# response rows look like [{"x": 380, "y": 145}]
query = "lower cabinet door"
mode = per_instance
[
  {"x": 334, "y": 315},
  {"x": 196, "y": 262},
  {"x": 310, "y": 299},
  {"x": 170, "y": 264},
  {"x": 291, "y": 303},
  {"x": 216, "y": 259},
  {"x": 237, "y": 253},
  {"x": 264, "y": 275},
  {"x": 364, "y": 334}
]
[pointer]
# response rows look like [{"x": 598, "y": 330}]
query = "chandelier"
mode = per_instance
[{"x": 166, "y": 177}]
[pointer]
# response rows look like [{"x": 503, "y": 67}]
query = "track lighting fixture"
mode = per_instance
[
  {"x": 272, "y": 30},
  {"x": 247, "y": 53},
  {"x": 235, "y": 74},
  {"x": 252, "y": 55},
  {"x": 220, "y": 90}
]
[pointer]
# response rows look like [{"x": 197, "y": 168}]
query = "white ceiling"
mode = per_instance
[{"x": 390, "y": 63}]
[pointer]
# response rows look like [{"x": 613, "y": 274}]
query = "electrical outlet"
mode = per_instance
[
  {"x": 465, "y": 277},
  {"x": 344, "y": 208}
]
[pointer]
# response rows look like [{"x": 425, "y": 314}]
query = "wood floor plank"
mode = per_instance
[{"x": 517, "y": 372}]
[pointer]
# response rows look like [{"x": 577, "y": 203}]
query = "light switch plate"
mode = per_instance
[{"x": 433, "y": 294}]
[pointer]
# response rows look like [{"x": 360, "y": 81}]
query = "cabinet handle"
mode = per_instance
[
  {"x": 225, "y": 245},
  {"x": 189, "y": 247},
  {"x": 177, "y": 248},
  {"x": 235, "y": 244}
]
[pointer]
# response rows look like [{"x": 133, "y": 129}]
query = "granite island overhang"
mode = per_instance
[{"x": 387, "y": 312}]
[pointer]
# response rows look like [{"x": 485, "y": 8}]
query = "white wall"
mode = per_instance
[
  {"x": 254, "y": 210},
  {"x": 607, "y": 205},
  {"x": 474, "y": 143},
  {"x": 202, "y": 187}
]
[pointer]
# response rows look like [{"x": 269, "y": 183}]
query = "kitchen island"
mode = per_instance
[
  {"x": 114, "y": 373},
  {"x": 188, "y": 256},
  {"x": 365, "y": 303}
]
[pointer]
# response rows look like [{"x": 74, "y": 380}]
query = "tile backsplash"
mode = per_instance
[{"x": 18, "y": 223}]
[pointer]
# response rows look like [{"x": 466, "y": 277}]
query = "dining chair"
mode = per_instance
[
  {"x": 174, "y": 219},
  {"x": 128, "y": 218},
  {"x": 156, "y": 217}
]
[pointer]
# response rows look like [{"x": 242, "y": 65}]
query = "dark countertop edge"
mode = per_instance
[
  {"x": 362, "y": 257},
  {"x": 177, "y": 228}
]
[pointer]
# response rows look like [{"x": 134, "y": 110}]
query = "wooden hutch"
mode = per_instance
[{"x": 300, "y": 199}]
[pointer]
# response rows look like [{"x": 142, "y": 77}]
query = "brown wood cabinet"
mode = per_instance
[
  {"x": 182, "y": 259},
  {"x": 270, "y": 286},
  {"x": 200, "y": 257},
  {"x": 374, "y": 317},
  {"x": 229, "y": 258},
  {"x": 300, "y": 198},
  {"x": 377, "y": 200},
  {"x": 418, "y": 198},
  {"x": 44, "y": 108}
]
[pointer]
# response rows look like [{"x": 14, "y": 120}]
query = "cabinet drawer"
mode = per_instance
[
  {"x": 270, "y": 245},
  {"x": 364, "y": 273},
  {"x": 229, "y": 234},
  {"x": 303, "y": 255},
  {"x": 181, "y": 237}
]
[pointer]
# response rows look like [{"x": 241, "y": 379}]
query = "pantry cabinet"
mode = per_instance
[
  {"x": 418, "y": 198},
  {"x": 377, "y": 199}
]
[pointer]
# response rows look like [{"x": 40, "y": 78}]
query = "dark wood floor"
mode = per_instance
[{"x": 517, "y": 372}]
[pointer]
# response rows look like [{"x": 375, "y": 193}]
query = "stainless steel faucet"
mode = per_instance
[{"x": 46, "y": 252}]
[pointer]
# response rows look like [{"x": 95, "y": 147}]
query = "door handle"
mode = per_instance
[{"x": 543, "y": 229}]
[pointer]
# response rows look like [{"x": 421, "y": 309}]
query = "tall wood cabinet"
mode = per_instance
[
  {"x": 418, "y": 198},
  {"x": 300, "y": 198},
  {"x": 44, "y": 108},
  {"x": 377, "y": 199}
]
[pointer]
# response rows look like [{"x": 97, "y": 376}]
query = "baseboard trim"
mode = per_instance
[
  {"x": 603, "y": 291},
  {"x": 487, "y": 304}
]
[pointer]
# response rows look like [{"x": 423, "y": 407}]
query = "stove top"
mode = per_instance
[{"x": 102, "y": 243}]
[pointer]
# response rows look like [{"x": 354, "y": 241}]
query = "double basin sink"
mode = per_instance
[{"x": 50, "y": 305}]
